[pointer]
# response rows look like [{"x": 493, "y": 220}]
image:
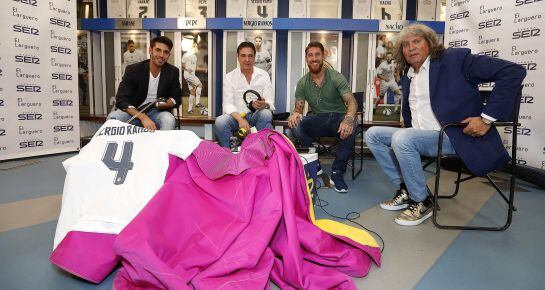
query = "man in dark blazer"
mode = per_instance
[
  {"x": 440, "y": 87},
  {"x": 150, "y": 81}
]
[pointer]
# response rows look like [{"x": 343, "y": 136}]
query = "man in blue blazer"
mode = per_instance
[
  {"x": 440, "y": 86},
  {"x": 150, "y": 81}
]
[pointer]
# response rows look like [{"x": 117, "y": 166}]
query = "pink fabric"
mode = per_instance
[
  {"x": 234, "y": 221},
  {"x": 87, "y": 255}
]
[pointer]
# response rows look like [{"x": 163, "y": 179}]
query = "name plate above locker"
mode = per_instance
[
  {"x": 257, "y": 23},
  {"x": 128, "y": 23},
  {"x": 191, "y": 23},
  {"x": 392, "y": 25}
]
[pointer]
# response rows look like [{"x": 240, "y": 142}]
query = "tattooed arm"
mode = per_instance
[
  {"x": 347, "y": 125},
  {"x": 297, "y": 113}
]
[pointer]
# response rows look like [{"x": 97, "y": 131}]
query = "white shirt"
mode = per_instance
[
  {"x": 235, "y": 84},
  {"x": 100, "y": 199},
  {"x": 152, "y": 88},
  {"x": 422, "y": 115}
]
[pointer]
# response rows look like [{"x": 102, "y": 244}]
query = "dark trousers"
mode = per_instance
[{"x": 327, "y": 125}]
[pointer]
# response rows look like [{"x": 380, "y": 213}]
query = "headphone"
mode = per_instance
[{"x": 249, "y": 104}]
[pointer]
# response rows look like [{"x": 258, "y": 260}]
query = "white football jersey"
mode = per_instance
[
  {"x": 115, "y": 175},
  {"x": 133, "y": 57},
  {"x": 189, "y": 59}
]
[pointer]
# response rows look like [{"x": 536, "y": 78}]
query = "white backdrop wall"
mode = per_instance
[
  {"x": 515, "y": 31},
  {"x": 39, "y": 108}
]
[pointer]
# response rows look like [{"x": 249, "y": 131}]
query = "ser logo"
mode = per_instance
[
  {"x": 61, "y": 49},
  {"x": 1, "y": 103},
  {"x": 27, "y": 59},
  {"x": 59, "y": 22},
  {"x": 529, "y": 66},
  {"x": 29, "y": 2},
  {"x": 489, "y": 23},
  {"x": 63, "y": 128},
  {"x": 520, "y": 131},
  {"x": 526, "y": 99},
  {"x": 491, "y": 53},
  {"x": 458, "y": 43},
  {"x": 29, "y": 89},
  {"x": 31, "y": 144},
  {"x": 459, "y": 15},
  {"x": 2, "y": 132},
  {"x": 524, "y": 2},
  {"x": 63, "y": 103},
  {"x": 29, "y": 116},
  {"x": 525, "y": 33},
  {"x": 61, "y": 76},
  {"x": 26, "y": 29}
]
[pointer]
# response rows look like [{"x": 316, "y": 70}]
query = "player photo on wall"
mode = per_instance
[
  {"x": 133, "y": 48},
  {"x": 386, "y": 88},
  {"x": 194, "y": 69},
  {"x": 263, "y": 42},
  {"x": 330, "y": 41}
]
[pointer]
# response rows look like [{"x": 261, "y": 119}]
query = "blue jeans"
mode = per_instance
[
  {"x": 226, "y": 125},
  {"x": 164, "y": 120},
  {"x": 327, "y": 125},
  {"x": 398, "y": 151}
]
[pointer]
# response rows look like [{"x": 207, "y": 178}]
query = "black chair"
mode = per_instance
[
  {"x": 454, "y": 159},
  {"x": 176, "y": 113},
  {"x": 358, "y": 154}
]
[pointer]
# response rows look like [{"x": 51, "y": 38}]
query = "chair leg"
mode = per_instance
[{"x": 509, "y": 202}]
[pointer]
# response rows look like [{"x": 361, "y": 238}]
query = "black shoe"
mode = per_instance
[{"x": 337, "y": 180}]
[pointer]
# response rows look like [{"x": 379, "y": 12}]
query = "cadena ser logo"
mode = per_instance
[
  {"x": 459, "y": 15},
  {"x": 458, "y": 43},
  {"x": 59, "y": 22},
  {"x": 520, "y": 131},
  {"x": 524, "y": 2},
  {"x": 63, "y": 128},
  {"x": 29, "y": 117},
  {"x": 61, "y": 76},
  {"x": 26, "y": 29},
  {"x": 63, "y": 103},
  {"x": 28, "y": 88},
  {"x": 31, "y": 143},
  {"x": 490, "y": 52},
  {"x": 527, "y": 33},
  {"x": 28, "y": 2},
  {"x": 526, "y": 99},
  {"x": 489, "y": 23},
  {"x": 60, "y": 49},
  {"x": 24, "y": 58},
  {"x": 529, "y": 65}
]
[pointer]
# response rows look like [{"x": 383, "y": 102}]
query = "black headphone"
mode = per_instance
[{"x": 249, "y": 104}]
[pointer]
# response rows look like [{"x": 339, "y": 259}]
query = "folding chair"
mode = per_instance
[
  {"x": 358, "y": 154},
  {"x": 454, "y": 158}
]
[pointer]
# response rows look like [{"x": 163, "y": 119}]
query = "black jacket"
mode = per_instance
[{"x": 133, "y": 88}]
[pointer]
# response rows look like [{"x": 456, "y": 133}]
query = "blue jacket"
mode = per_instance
[{"x": 454, "y": 96}]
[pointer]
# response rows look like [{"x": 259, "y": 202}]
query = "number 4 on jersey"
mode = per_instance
[{"x": 122, "y": 166}]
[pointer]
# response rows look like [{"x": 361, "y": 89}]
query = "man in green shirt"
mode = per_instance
[{"x": 333, "y": 110}]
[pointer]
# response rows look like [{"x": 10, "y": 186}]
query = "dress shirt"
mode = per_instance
[
  {"x": 423, "y": 117},
  {"x": 235, "y": 84}
]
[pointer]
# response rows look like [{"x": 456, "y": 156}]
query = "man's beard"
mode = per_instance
[{"x": 318, "y": 70}]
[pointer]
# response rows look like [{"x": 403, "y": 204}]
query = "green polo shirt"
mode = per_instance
[{"x": 325, "y": 99}]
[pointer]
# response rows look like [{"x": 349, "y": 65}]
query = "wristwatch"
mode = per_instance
[{"x": 487, "y": 121}]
